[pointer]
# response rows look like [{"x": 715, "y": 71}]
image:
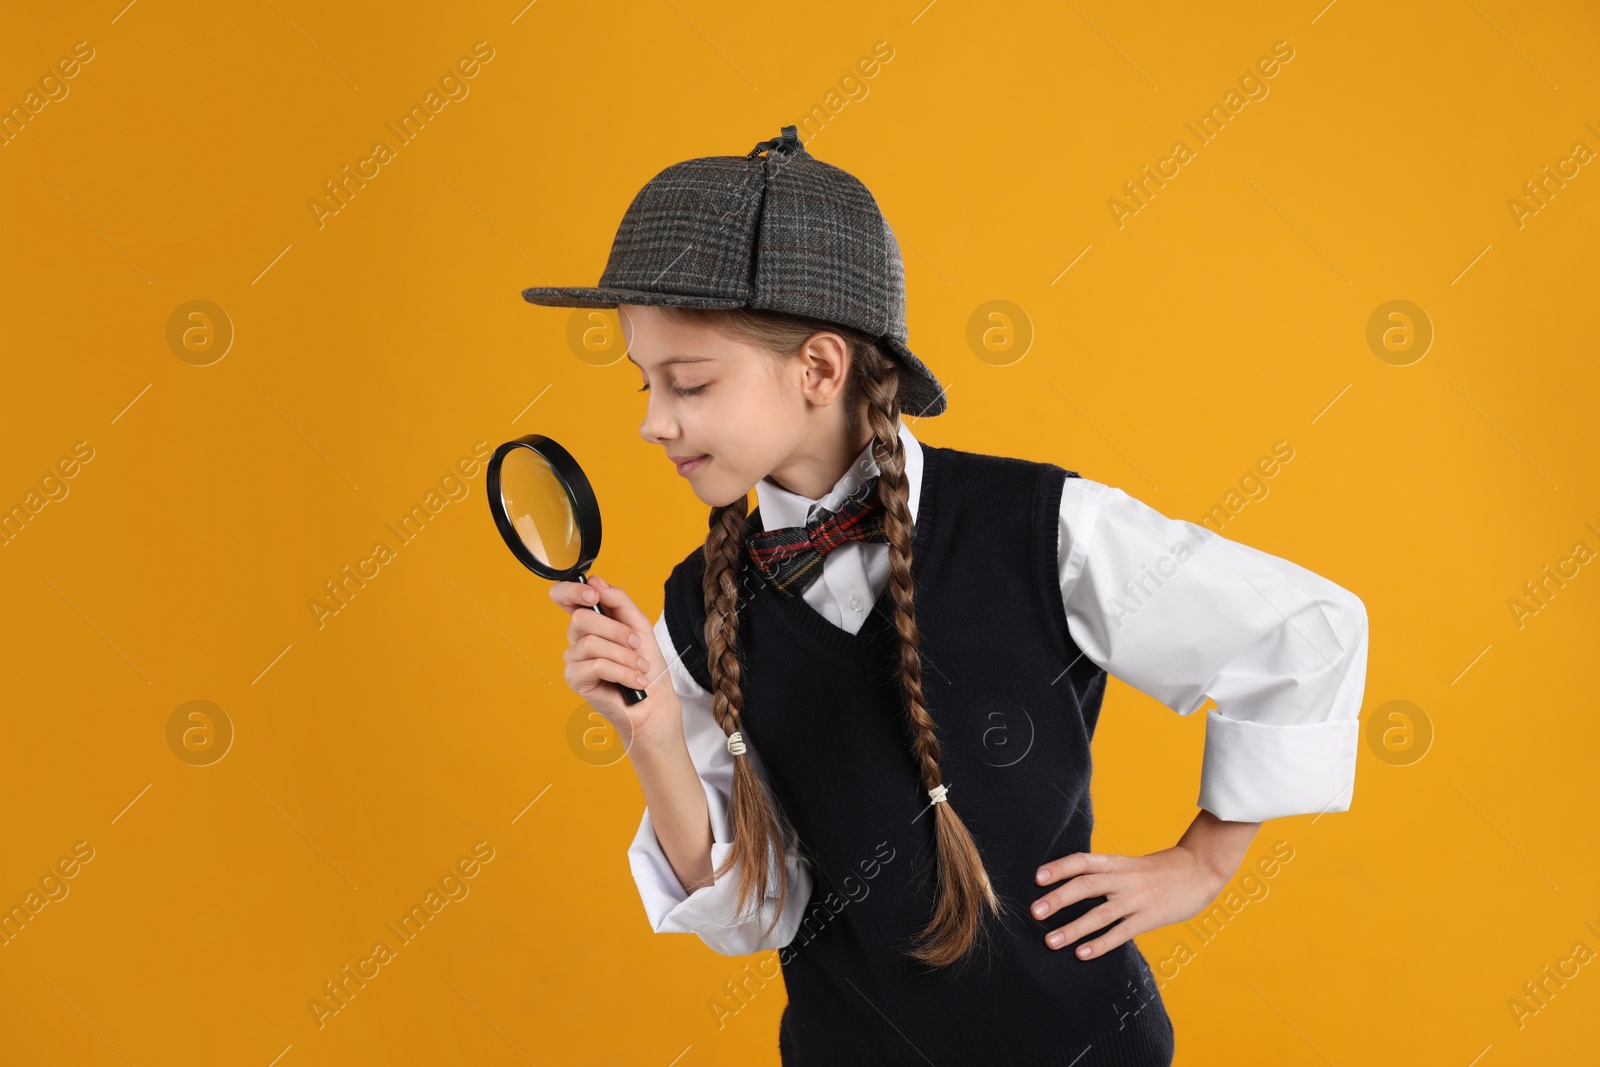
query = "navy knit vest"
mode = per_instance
[{"x": 1015, "y": 703}]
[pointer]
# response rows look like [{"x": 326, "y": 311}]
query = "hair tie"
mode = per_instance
[
  {"x": 938, "y": 792},
  {"x": 736, "y": 743}
]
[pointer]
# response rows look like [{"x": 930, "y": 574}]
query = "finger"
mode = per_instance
[
  {"x": 573, "y": 595},
  {"x": 1095, "y": 918},
  {"x": 577, "y": 595},
  {"x": 617, "y": 623},
  {"x": 592, "y": 622},
  {"x": 619, "y": 605},
  {"x": 594, "y": 647},
  {"x": 1081, "y": 887},
  {"x": 583, "y": 676},
  {"x": 1086, "y": 871},
  {"x": 1067, "y": 866},
  {"x": 1125, "y": 930}
]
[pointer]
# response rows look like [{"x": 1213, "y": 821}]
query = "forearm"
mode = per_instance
[
  {"x": 676, "y": 799},
  {"x": 1220, "y": 844}
]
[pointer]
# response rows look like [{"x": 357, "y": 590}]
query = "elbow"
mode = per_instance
[
  {"x": 742, "y": 943},
  {"x": 711, "y": 912},
  {"x": 757, "y": 933},
  {"x": 1353, "y": 635},
  {"x": 1358, "y": 613},
  {"x": 1346, "y": 616}
]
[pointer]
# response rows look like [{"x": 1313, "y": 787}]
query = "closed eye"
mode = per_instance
[{"x": 681, "y": 392}]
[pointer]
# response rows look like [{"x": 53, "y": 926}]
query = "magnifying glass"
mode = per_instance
[{"x": 546, "y": 511}]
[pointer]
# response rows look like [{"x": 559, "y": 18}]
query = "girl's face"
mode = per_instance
[{"x": 739, "y": 412}]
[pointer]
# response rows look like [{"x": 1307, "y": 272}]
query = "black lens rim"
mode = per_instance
[{"x": 585, "y": 508}]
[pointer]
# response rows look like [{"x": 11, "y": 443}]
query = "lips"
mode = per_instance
[{"x": 689, "y": 465}]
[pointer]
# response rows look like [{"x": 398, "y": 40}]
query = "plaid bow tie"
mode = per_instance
[{"x": 791, "y": 556}]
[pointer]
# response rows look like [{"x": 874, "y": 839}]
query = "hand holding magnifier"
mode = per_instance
[{"x": 547, "y": 513}]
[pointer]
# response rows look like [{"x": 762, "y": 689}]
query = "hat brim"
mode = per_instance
[
  {"x": 608, "y": 297},
  {"x": 920, "y": 394}
]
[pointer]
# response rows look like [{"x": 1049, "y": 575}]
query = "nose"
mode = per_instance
[{"x": 658, "y": 426}]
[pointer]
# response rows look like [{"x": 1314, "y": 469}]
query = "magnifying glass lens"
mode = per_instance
[{"x": 540, "y": 508}]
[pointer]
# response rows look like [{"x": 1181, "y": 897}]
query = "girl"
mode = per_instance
[{"x": 866, "y": 739}]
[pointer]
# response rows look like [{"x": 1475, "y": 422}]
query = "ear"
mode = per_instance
[{"x": 826, "y": 365}]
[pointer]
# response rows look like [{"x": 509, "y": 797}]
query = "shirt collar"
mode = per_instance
[{"x": 780, "y": 508}]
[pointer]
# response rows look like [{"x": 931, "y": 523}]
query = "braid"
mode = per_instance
[
  {"x": 964, "y": 886},
  {"x": 756, "y": 831}
]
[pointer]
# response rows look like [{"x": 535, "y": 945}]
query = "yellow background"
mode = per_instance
[{"x": 372, "y": 352}]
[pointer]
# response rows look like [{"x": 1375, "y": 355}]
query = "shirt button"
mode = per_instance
[{"x": 855, "y": 603}]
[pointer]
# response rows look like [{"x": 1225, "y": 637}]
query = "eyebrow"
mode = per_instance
[{"x": 670, "y": 360}]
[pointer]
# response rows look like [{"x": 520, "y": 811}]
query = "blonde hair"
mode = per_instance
[{"x": 963, "y": 886}]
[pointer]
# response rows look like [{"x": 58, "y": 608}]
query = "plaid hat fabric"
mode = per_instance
[{"x": 781, "y": 232}]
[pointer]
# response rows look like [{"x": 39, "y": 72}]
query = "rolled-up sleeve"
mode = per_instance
[
  {"x": 1182, "y": 613},
  {"x": 710, "y": 911}
]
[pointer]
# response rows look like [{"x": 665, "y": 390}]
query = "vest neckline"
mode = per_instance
[{"x": 849, "y": 648}]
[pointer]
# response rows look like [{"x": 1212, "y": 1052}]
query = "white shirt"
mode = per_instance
[{"x": 1282, "y": 651}]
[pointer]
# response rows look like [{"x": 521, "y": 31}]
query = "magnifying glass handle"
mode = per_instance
[{"x": 629, "y": 696}]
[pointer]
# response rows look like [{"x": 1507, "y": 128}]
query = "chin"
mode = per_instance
[{"x": 716, "y": 498}]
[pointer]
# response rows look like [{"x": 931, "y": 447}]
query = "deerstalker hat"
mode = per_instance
[{"x": 776, "y": 229}]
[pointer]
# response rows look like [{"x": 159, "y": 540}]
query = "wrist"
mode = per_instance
[
  {"x": 1219, "y": 846},
  {"x": 661, "y": 738},
  {"x": 1212, "y": 865}
]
